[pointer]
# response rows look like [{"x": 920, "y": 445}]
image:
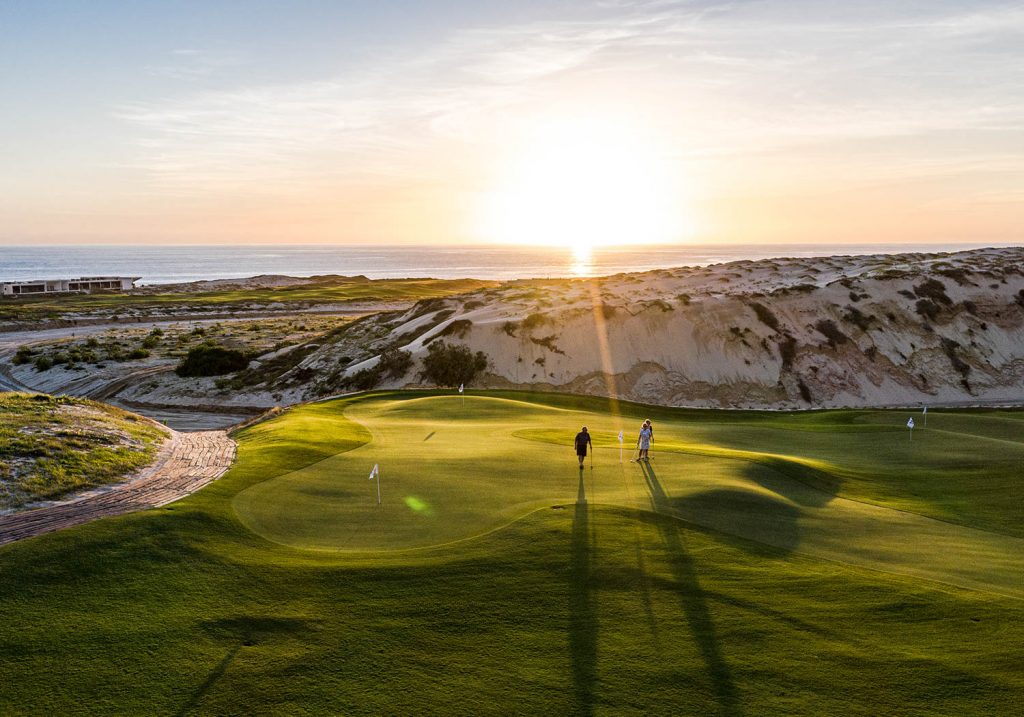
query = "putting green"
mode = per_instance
[
  {"x": 617, "y": 602},
  {"x": 452, "y": 470}
]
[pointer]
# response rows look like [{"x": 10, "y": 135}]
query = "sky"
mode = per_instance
[{"x": 467, "y": 121}]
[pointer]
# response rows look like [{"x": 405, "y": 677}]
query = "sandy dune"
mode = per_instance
[{"x": 832, "y": 331}]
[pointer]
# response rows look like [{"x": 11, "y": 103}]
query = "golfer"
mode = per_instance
[
  {"x": 582, "y": 441},
  {"x": 643, "y": 442}
]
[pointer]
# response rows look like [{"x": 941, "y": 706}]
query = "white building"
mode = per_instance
[{"x": 85, "y": 285}]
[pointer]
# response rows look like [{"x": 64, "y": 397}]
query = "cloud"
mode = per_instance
[{"x": 724, "y": 77}]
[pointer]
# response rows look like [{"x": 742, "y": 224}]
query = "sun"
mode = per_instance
[{"x": 584, "y": 184}]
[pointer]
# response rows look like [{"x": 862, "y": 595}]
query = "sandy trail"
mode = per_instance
[{"x": 191, "y": 461}]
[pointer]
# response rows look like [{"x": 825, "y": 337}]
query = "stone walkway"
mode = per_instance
[{"x": 189, "y": 462}]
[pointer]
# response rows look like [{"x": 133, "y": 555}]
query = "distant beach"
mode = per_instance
[{"x": 175, "y": 264}]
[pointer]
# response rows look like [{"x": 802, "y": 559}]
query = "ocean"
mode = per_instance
[{"x": 174, "y": 264}]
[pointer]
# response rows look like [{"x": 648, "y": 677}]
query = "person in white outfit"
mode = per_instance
[{"x": 644, "y": 441}]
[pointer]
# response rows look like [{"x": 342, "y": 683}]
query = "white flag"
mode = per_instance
[
  {"x": 925, "y": 410},
  {"x": 374, "y": 472},
  {"x": 910, "y": 423},
  {"x": 461, "y": 387},
  {"x": 620, "y": 436}
]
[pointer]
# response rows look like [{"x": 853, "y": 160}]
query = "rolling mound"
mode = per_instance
[
  {"x": 877, "y": 330},
  {"x": 52, "y": 446},
  {"x": 737, "y": 574},
  {"x": 846, "y": 487}
]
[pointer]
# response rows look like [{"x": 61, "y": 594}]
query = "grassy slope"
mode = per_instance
[
  {"x": 325, "y": 292},
  {"x": 588, "y": 609},
  {"x": 52, "y": 446}
]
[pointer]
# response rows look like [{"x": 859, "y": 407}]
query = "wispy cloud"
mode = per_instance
[{"x": 726, "y": 77}]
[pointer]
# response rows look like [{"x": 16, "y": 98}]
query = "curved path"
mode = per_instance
[{"x": 189, "y": 462}]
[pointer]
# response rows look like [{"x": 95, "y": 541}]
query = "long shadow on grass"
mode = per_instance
[
  {"x": 695, "y": 605},
  {"x": 246, "y": 631},
  {"x": 582, "y": 607},
  {"x": 209, "y": 682}
]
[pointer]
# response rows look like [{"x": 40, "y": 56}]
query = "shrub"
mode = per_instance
[
  {"x": 805, "y": 393},
  {"x": 43, "y": 363},
  {"x": 927, "y": 308},
  {"x": 787, "y": 351},
  {"x": 828, "y": 329},
  {"x": 141, "y": 353},
  {"x": 91, "y": 342},
  {"x": 548, "y": 342},
  {"x": 533, "y": 321},
  {"x": 509, "y": 327},
  {"x": 363, "y": 379},
  {"x": 1020, "y": 298},
  {"x": 949, "y": 346},
  {"x": 150, "y": 341},
  {"x": 957, "y": 274},
  {"x": 971, "y": 308},
  {"x": 684, "y": 299},
  {"x": 394, "y": 363},
  {"x": 457, "y": 328},
  {"x": 858, "y": 318},
  {"x": 24, "y": 355},
  {"x": 211, "y": 360},
  {"x": 451, "y": 365},
  {"x": 765, "y": 315},
  {"x": 933, "y": 289}
]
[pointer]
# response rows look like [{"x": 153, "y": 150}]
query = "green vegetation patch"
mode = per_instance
[
  {"x": 495, "y": 577},
  {"x": 327, "y": 290},
  {"x": 52, "y": 446}
]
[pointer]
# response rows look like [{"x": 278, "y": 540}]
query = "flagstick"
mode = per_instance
[{"x": 378, "y": 486}]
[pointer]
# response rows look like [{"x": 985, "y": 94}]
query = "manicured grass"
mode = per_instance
[
  {"x": 564, "y": 593},
  {"x": 328, "y": 291},
  {"x": 52, "y": 446}
]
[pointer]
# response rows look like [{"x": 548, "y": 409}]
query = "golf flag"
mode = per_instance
[
  {"x": 462, "y": 387},
  {"x": 375, "y": 473},
  {"x": 925, "y": 410},
  {"x": 910, "y": 423},
  {"x": 620, "y": 436}
]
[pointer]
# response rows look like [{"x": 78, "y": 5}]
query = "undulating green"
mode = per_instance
[{"x": 737, "y": 574}]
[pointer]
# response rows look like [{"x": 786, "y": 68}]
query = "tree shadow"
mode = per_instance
[
  {"x": 245, "y": 631},
  {"x": 695, "y": 606},
  {"x": 582, "y": 607},
  {"x": 744, "y": 513},
  {"x": 645, "y": 592},
  {"x": 803, "y": 485}
]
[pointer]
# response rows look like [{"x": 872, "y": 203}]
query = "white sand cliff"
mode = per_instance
[
  {"x": 834, "y": 331},
  {"x": 880, "y": 330}
]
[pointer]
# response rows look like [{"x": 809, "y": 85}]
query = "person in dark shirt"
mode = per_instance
[{"x": 582, "y": 441}]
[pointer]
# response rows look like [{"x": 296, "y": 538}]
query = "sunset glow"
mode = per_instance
[
  {"x": 567, "y": 124},
  {"x": 585, "y": 184}
]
